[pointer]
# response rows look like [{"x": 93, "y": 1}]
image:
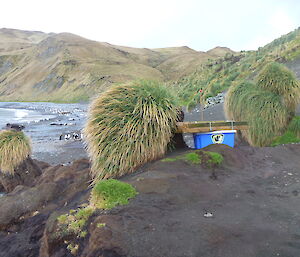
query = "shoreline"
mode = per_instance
[
  {"x": 71, "y": 118},
  {"x": 45, "y": 134}
]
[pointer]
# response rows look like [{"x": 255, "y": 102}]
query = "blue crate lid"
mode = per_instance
[{"x": 217, "y": 132}]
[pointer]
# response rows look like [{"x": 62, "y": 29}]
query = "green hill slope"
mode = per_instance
[
  {"x": 36, "y": 66},
  {"x": 218, "y": 75}
]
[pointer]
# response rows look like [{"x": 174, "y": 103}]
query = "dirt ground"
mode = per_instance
[
  {"x": 254, "y": 199},
  {"x": 248, "y": 207}
]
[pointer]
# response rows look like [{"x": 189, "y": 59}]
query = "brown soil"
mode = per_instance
[{"x": 253, "y": 198}]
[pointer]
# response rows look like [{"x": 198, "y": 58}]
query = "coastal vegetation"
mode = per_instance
[
  {"x": 107, "y": 194},
  {"x": 15, "y": 147},
  {"x": 292, "y": 135},
  {"x": 68, "y": 68},
  {"x": 267, "y": 105},
  {"x": 207, "y": 159},
  {"x": 133, "y": 123},
  {"x": 217, "y": 75},
  {"x": 74, "y": 222},
  {"x": 129, "y": 125}
]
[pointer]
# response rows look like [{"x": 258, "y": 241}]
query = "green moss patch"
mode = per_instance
[
  {"x": 73, "y": 226},
  {"x": 109, "y": 193},
  {"x": 215, "y": 158},
  {"x": 74, "y": 222},
  {"x": 205, "y": 158},
  {"x": 169, "y": 160},
  {"x": 193, "y": 158}
]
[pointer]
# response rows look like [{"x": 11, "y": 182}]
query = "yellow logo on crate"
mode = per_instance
[{"x": 217, "y": 138}]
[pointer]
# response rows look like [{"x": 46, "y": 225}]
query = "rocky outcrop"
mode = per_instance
[
  {"x": 24, "y": 174},
  {"x": 24, "y": 200},
  {"x": 25, "y": 211}
]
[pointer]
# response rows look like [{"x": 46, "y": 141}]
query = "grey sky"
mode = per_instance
[{"x": 201, "y": 25}]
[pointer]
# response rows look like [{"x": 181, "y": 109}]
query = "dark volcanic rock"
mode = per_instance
[
  {"x": 25, "y": 200},
  {"x": 24, "y": 174},
  {"x": 100, "y": 242},
  {"x": 16, "y": 127},
  {"x": 25, "y": 211}
]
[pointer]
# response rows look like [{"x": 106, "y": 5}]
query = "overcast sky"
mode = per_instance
[{"x": 199, "y": 24}]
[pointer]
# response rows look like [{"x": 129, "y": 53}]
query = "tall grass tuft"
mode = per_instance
[
  {"x": 129, "y": 125},
  {"x": 266, "y": 114},
  {"x": 268, "y": 106},
  {"x": 280, "y": 80},
  {"x": 15, "y": 147},
  {"x": 294, "y": 126}
]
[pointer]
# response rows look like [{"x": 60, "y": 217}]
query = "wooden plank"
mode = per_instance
[
  {"x": 206, "y": 129},
  {"x": 211, "y": 123},
  {"x": 197, "y": 127}
]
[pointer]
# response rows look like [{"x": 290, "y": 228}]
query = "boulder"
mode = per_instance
[
  {"x": 25, "y": 211},
  {"x": 24, "y": 200},
  {"x": 24, "y": 174},
  {"x": 16, "y": 127}
]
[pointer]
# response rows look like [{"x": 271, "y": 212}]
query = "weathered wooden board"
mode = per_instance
[{"x": 205, "y": 126}]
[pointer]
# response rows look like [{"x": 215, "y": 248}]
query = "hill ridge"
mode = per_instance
[{"x": 64, "y": 67}]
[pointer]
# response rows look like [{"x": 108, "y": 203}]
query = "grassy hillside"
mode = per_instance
[
  {"x": 217, "y": 75},
  {"x": 36, "y": 66}
]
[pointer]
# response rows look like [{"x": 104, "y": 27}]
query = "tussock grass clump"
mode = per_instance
[
  {"x": 266, "y": 114},
  {"x": 280, "y": 80},
  {"x": 268, "y": 106},
  {"x": 15, "y": 147},
  {"x": 107, "y": 194},
  {"x": 129, "y": 125},
  {"x": 294, "y": 126}
]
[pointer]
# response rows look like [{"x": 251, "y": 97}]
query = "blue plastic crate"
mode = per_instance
[{"x": 225, "y": 137}]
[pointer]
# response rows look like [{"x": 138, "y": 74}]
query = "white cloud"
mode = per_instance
[
  {"x": 200, "y": 24},
  {"x": 114, "y": 21},
  {"x": 259, "y": 42},
  {"x": 281, "y": 22},
  {"x": 278, "y": 24}
]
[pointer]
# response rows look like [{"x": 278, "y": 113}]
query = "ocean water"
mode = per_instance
[
  {"x": 45, "y": 123},
  {"x": 21, "y": 116}
]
